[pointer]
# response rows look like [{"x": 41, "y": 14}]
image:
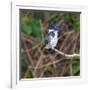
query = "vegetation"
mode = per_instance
[{"x": 35, "y": 60}]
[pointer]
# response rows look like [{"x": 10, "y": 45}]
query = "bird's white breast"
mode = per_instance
[{"x": 53, "y": 40}]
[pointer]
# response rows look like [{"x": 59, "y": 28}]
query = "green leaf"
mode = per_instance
[
  {"x": 77, "y": 24},
  {"x": 77, "y": 50},
  {"x": 23, "y": 64},
  {"x": 27, "y": 29},
  {"x": 36, "y": 29},
  {"x": 37, "y": 15},
  {"x": 76, "y": 69},
  {"x": 26, "y": 25},
  {"x": 67, "y": 17},
  {"x": 28, "y": 74},
  {"x": 76, "y": 66}
]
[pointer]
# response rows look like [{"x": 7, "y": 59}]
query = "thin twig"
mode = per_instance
[
  {"x": 64, "y": 42},
  {"x": 29, "y": 56},
  {"x": 54, "y": 64}
]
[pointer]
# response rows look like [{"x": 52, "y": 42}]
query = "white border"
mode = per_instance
[{"x": 15, "y": 82}]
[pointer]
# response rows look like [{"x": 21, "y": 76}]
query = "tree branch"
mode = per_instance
[{"x": 69, "y": 56}]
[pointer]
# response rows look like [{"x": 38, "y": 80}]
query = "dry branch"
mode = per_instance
[
  {"x": 69, "y": 56},
  {"x": 29, "y": 56}
]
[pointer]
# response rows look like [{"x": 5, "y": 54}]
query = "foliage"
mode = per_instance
[
  {"x": 71, "y": 19},
  {"x": 31, "y": 26},
  {"x": 47, "y": 63}
]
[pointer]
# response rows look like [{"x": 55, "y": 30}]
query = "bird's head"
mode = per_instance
[{"x": 54, "y": 28}]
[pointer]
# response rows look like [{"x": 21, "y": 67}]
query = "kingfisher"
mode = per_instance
[{"x": 51, "y": 37}]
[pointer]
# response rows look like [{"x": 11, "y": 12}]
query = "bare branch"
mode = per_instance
[{"x": 69, "y": 56}]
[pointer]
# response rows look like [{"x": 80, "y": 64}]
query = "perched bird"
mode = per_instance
[{"x": 51, "y": 37}]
